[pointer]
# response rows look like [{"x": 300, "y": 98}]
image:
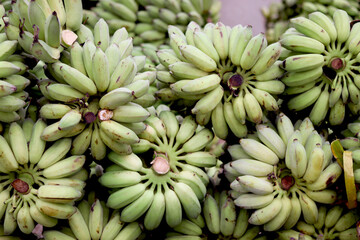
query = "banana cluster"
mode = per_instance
[
  {"x": 277, "y": 15},
  {"x": 12, "y": 80},
  {"x": 94, "y": 220},
  {"x": 322, "y": 65},
  {"x": 227, "y": 75},
  {"x": 166, "y": 184},
  {"x": 43, "y": 26},
  {"x": 282, "y": 172},
  {"x": 221, "y": 219},
  {"x": 148, "y": 20},
  {"x": 39, "y": 182},
  {"x": 98, "y": 94},
  {"x": 331, "y": 224}
]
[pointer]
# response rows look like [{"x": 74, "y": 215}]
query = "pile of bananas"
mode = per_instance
[
  {"x": 331, "y": 224},
  {"x": 283, "y": 172},
  {"x": 322, "y": 65},
  {"x": 278, "y": 14},
  {"x": 220, "y": 219},
  {"x": 39, "y": 182},
  {"x": 97, "y": 95},
  {"x": 170, "y": 181},
  {"x": 193, "y": 122},
  {"x": 226, "y": 75},
  {"x": 147, "y": 20}
]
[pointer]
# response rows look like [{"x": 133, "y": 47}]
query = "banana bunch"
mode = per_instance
[
  {"x": 12, "y": 80},
  {"x": 148, "y": 20},
  {"x": 94, "y": 220},
  {"x": 331, "y": 224},
  {"x": 322, "y": 66},
  {"x": 220, "y": 219},
  {"x": 164, "y": 185},
  {"x": 39, "y": 182},
  {"x": 98, "y": 94},
  {"x": 282, "y": 173},
  {"x": 277, "y": 15},
  {"x": 227, "y": 74},
  {"x": 43, "y": 27}
]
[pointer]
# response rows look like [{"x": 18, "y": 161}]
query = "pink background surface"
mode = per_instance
[{"x": 244, "y": 12}]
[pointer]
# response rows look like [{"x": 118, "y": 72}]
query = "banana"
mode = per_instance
[
  {"x": 341, "y": 21},
  {"x": 119, "y": 148},
  {"x": 78, "y": 225},
  {"x": 198, "y": 141},
  {"x": 202, "y": 42},
  {"x": 74, "y": 14},
  {"x": 24, "y": 220},
  {"x": 100, "y": 70},
  {"x": 123, "y": 74},
  {"x": 82, "y": 142},
  {"x": 120, "y": 179},
  {"x": 188, "y": 199},
  {"x": 302, "y": 44},
  {"x": 314, "y": 167},
  {"x": 75, "y": 78},
  {"x": 130, "y": 162},
  {"x": 325, "y": 22},
  {"x": 8, "y": 159},
  {"x": 253, "y": 201},
  {"x": 328, "y": 176},
  {"x": 36, "y": 144},
  {"x": 173, "y": 210},
  {"x": 279, "y": 220},
  {"x": 40, "y": 217},
  {"x": 58, "y": 194},
  {"x": 345, "y": 221},
  {"x": 305, "y": 99},
  {"x": 211, "y": 214},
  {"x": 295, "y": 212},
  {"x": 64, "y": 93},
  {"x": 156, "y": 211},
  {"x": 255, "y": 185},
  {"x": 56, "y": 235},
  {"x": 265, "y": 99},
  {"x": 253, "y": 51},
  {"x": 267, "y": 58},
  {"x": 198, "y": 58},
  {"x": 138, "y": 207},
  {"x": 203, "y": 105},
  {"x": 252, "y": 167},
  {"x": 53, "y": 31},
  {"x": 118, "y": 133},
  {"x": 309, "y": 209},
  {"x": 310, "y": 29},
  {"x": 252, "y": 147},
  {"x": 116, "y": 98},
  {"x": 193, "y": 181},
  {"x": 272, "y": 140},
  {"x": 65, "y": 167},
  {"x": 227, "y": 217},
  {"x": 202, "y": 85},
  {"x": 252, "y": 107},
  {"x": 96, "y": 220},
  {"x": 131, "y": 231},
  {"x": 56, "y": 210},
  {"x": 219, "y": 122},
  {"x": 303, "y": 62},
  {"x": 220, "y": 39},
  {"x": 55, "y": 153},
  {"x": 130, "y": 113},
  {"x": 239, "y": 129},
  {"x": 37, "y": 17},
  {"x": 125, "y": 196},
  {"x": 183, "y": 70},
  {"x": 332, "y": 216},
  {"x": 171, "y": 123},
  {"x": 266, "y": 214},
  {"x": 113, "y": 227},
  {"x": 18, "y": 142},
  {"x": 320, "y": 109}
]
